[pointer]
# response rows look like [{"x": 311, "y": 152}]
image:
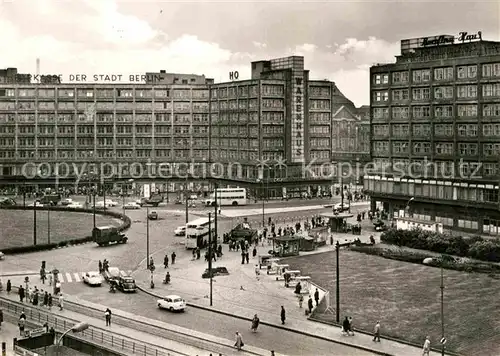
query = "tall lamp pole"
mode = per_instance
[
  {"x": 210, "y": 253},
  {"x": 443, "y": 340},
  {"x": 34, "y": 222},
  {"x": 187, "y": 201},
  {"x": 337, "y": 290},
  {"x": 48, "y": 224},
  {"x": 215, "y": 216},
  {"x": 147, "y": 238},
  {"x": 93, "y": 205}
]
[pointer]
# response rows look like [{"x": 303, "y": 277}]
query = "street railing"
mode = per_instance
[{"x": 96, "y": 335}]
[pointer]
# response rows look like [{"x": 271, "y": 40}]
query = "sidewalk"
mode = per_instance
[
  {"x": 263, "y": 296},
  {"x": 88, "y": 315},
  {"x": 232, "y": 213}
]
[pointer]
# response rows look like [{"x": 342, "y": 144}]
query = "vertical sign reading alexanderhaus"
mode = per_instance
[{"x": 298, "y": 116}]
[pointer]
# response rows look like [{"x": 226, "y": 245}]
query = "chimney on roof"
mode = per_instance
[{"x": 38, "y": 66}]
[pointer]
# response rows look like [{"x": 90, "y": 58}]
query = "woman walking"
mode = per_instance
[{"x": 239, "y": 341}]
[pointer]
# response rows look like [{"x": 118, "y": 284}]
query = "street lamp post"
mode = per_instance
[
  {"x": 337, "y": 290},
  {"x": 215, "y": 215},
  {"x": 147, "y": 237},
  {"x": 48, "y": 224},
  {"x": 407, "y": 206},
  {"x": 34, "y": 222},
  {"x": 75, "y": 328},
  {"x": 210, "y": 253},
  {"x": 443, "y": 340},
  {"x": 93, "y": 206}
]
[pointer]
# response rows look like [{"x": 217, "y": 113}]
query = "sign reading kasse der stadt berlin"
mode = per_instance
[{"x": 298, "y": 117}]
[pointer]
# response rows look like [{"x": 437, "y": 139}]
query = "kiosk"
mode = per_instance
[
  {"x": 337, "y": 222},
  {"x": 286, "y": 246}
]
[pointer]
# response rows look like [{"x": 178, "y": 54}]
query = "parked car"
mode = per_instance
[
  {"x": 126, "y": 283},
  {"x": 4, "y": 201},
  {"x": 172, "y": 303},
  {"x": 112, "y": 274},
  {"x": 75, "y": 205},
  {"x": 153, "y": 215},
  {"x": 93, "y": 279},
  {"x": 132, "y": 205},
  {"x": 180, "y": 231},
  {"x": 341, "y": 207},
  {"x": 110, "y": 203},
  {"x": 67, "y": 201}
]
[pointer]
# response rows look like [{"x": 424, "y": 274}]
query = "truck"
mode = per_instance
[
  {"x": 50, "y": 199},
  {"x": 104, "y": 235},
  {"x": 153, "y": 200},
  {"x": 243, "y": 231}
]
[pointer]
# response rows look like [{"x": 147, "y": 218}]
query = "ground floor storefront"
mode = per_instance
[{"x": 453, "y": 217}]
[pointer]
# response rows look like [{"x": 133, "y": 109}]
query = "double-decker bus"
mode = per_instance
[
  {"x": 228, "y": 196},
  {"x": 197, "y": 232}
]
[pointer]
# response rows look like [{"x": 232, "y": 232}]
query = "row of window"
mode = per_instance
[
  {"x": 433, "y": 191},
  {"x": 443, "y": 92},
  {"x": 443, "y": 148},
  {"x": 489, "y": 70},
  {"x": 440, "y": 111},
  {"x": 436, "y": 168},
  {"x": 425, "y": 130}
]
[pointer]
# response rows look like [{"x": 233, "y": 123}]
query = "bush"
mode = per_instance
[
  {"x": 485, "y": 250},
  {"x": 447, "y": 262},
  {"x": 475, "y": 247}
]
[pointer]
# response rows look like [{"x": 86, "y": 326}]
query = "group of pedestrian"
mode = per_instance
[
  {"x": 39, "y": 297},
  {"x": 173, "y": 256}
]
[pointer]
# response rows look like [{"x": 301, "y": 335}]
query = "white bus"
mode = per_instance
[
  {"x": 228, "y": 196},
  {"x": 197, "y": 232}
]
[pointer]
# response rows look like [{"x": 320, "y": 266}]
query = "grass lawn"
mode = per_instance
[
  {"x": 405, "y": 297},
  {"x": 17, "y": 226}
]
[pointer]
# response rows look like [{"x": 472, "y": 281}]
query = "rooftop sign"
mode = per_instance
[{"x": 441, "y": 40}]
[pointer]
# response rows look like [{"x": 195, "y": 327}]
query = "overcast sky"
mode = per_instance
[{"x": 339, "y": 39}]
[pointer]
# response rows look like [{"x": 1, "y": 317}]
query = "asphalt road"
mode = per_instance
[{"x": 281, "y": 341}]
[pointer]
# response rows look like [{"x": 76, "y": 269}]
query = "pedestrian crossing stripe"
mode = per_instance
[{"x": 74, "y": 277}]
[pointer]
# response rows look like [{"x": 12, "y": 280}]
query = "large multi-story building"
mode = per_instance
[
  {"x": 275, "y": 127},
  {"x": 435, "y": 132}
]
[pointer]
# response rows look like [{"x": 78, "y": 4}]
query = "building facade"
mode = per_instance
[
  {"x": 276, "y": 126},
  {"x": 435, "y": 132}
]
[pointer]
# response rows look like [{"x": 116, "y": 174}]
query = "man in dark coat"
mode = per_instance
[
  {"x": 316, "y": 297},
  {"x": 283, "y": 315}
]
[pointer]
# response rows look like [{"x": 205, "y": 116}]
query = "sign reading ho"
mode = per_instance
[
  {"x": 234, "y": 75},
  {"x": 445, "y": 40}
]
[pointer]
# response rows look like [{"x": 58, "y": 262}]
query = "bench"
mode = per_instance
[
  {"x": 278, "y": 269},
  {"x": 304, "y": 281},
  {"x": 293, "y": 275}
]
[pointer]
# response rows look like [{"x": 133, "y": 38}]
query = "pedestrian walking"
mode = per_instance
[
  {"x": 346, "y": 327},
  {"x": 316, "y": 296},
  {"x": 107, "y": 315},
  {"x": 239, "y": 341},
  {"x": 61, "y": 302},
  {"x": 427, "y": 346},
  {"x": 283, "y": 315},
  {"x": 21, "y": 323},
  {"x": 257, "y": 272},
  {"x": 46, "y": 299},
  {"x": 9, "y": 286},
  {"x": 301, "y": 300},
  {"x": 1, "y": 318},
  {"x": 20, "y": 292},
  {"x": 255, "y": 323},
  {"x": 165, "y": 261},
  {"x": 254, "y": 252},
  {"x": 310, "y": 305},
  {"x": 173, "y": 256},
  {"x": 50, "y": 279},
  {"x": 100, "y": 266},
  {"x": 50, "y": 301},
  {"x": 376, "y": 332}
]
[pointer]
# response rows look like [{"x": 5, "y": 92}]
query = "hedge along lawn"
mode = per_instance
[
  {"x": 17, "y": 226},
  {"x": 406, "y": 298}
]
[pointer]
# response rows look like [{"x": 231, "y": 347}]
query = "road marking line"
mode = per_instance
[
  {"x": 77, "y": 277},
  {"x": 68, "y": 278}
]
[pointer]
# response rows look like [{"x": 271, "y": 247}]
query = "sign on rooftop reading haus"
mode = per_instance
[
  {"x": 298, "y": 117},
  {"x": 409, "y": 45}
]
